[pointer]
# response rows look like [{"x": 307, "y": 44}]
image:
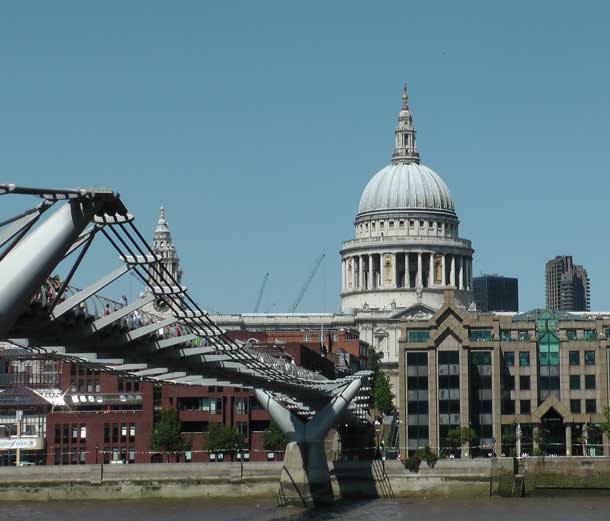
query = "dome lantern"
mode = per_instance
[{"x": 405, "y": 151}]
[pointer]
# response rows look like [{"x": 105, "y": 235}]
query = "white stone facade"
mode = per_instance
[
  {"x": 398, "y": 272},
  {"x": 407, "y": 249}
]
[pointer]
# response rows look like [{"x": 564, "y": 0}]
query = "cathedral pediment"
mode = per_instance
[{"x": 416, "y": 312}]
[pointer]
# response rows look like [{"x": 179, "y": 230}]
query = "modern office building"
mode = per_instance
[
  {"x": 543, "y": 372},
  {"x": 496, "y": 293},
  {"x": 567, "y": 285}
]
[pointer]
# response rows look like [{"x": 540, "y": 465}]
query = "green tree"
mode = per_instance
[
  {"x": 221, "y": 438},
  {"x": 381, "y": 391},
  {"x": 273, "y": 438},
  {"x": 167, "y": 434},
  {"x": 460, "y": 436}
]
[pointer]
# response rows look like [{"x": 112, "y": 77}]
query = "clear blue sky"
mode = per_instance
[{"x": 258, "y": 124}]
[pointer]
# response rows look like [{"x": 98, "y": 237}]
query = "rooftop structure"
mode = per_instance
[{"x": 496, "y": 293}]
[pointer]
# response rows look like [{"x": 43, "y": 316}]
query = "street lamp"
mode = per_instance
[{"x": 19, "y": 420}]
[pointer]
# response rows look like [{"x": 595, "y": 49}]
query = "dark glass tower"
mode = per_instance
[{"x": 496, "y": 293}]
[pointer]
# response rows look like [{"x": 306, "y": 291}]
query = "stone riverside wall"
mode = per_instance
[
  {"x": 349, "y": 479},
  {"x": 458, "y": 478},
  {"x": 474, "y": 477},
  {"x": 563, "y": 475},
  {"x": 179, "y": 480}
]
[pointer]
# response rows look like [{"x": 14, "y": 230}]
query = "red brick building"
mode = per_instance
[
  {"x": 112, "y": 418},
  {"x": 87, "y": 416},
  {"x": 104, "y": 418},
  {"x": 342, "y": 347}
]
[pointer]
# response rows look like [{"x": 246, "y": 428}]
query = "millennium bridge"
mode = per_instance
[{"x": 82, "y": 326}]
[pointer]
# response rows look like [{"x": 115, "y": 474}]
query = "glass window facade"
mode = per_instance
[
  {"x": 480, "y": 335},
  {"x": 548, "y": 357},
  {"x": 509, "y": 358},
  {"x": 418, "y": 335},
  {"x": 507, "y": 405},
  {"x": 574, "y": 357},
  {"x": 575, "y": 406},
  {"x": 417, "y": 400},
  {"x": 590, "y": 334},
  {"x": 571, "y": 334},
  {"x": 548, "y": 350},
  {"x": 481, "y": 397},
  {"x": 524, "y": 358},
  {"x": 574, "y": 382},
  {"x": 590, "y": 381},
  {"x": 589, "y": 357},
  {"x": 448, "y": 396}
]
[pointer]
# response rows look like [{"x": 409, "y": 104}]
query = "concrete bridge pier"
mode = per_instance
[{"x": 305, "y": 479}]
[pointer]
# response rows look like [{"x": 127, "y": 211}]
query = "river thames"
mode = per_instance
[{"x": 483, "y": 509}]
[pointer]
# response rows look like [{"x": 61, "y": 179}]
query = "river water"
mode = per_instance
[{"x": 481, "y": 509}]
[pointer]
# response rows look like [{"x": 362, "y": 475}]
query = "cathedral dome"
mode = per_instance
[{"x": 403, "y": 187}]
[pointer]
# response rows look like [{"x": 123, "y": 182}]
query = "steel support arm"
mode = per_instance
[
  {"x": 30, "y": 262},
  {"x": 101, "y": 323},
  {"x": 89, "y": 291},
  {"x": 166, "y": 343},
  {"x": 326, "y": 417},
  {"x": 21, "y": 224},
  {"x": 151, "y": 372},
  {"x": 315, "y": 429},
  {"x": 291, "y": 426},
  {"x": 146, "y": 330}
]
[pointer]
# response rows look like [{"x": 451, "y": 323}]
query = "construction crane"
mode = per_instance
[
  {"x": 307, "y": 282},
  {"x": 260, "y": 293}
]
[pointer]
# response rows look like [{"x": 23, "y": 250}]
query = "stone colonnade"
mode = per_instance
[{"x": 409, "y": 270}]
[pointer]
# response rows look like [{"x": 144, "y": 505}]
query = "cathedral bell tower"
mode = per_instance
[{"x": 164, "y": 249}]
